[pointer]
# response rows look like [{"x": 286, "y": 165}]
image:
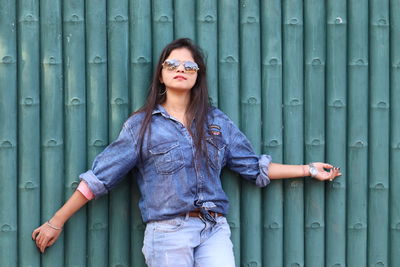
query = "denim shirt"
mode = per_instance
[{"x": 170, "y": 180}]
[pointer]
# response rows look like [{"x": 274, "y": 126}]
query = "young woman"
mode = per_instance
[{"x": 177, "y": 145}]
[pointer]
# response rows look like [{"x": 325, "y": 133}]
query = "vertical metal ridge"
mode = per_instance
[
  {"x": 206, "y": 13},
  {"x": 250, "y": 100},
  {"x": 10, "y": 232},
  {"x": 52, "y": 122},
  {"x": 97, "y": 125},
  {"x": 140, "y": 79},
  {"x": 378, "y": 165},
  {"x": 357, "y": 170},
  {"x": 118, "y": 84},
  {"x": 336, "y": 131},
  {"x": 185, "y": 19},
  {"x": 394, "y": 166},
  {"x": 228, "y": 92},
  {"x": 75, "y": 123},
  {"x": 293, "y": 135},
  {"x": 28, "y": 81},
  {"x": 314, "y": 128},
  {"x": 272, "y": 123}
]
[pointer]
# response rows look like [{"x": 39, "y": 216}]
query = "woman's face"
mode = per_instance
[{"x": 179, "y": 79}]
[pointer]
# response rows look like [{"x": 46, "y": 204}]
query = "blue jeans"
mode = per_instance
[{"x": 188, "y": 241}]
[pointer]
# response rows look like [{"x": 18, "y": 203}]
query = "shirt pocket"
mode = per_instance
[
  {"x": 168, "y": 157},
  {"x": 215, "y": 150}
]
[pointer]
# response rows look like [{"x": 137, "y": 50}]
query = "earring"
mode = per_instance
[{"x": 163, "y": 92}]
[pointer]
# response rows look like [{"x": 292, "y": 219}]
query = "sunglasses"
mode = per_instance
[{"x": 173, "y": 64}]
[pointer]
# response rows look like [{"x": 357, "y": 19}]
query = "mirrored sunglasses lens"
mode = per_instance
[
  {"x": 171, "y": 64},
  {"x": 190, "y": 66}
]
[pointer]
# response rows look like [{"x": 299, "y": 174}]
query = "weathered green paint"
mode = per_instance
[
  {"x": 314, "y": 130},
  {"x": 293, "y": 134},
  {"x": 75, "y": 122},
  {"x": 250, "y": 104},
  {"x": 378, "y": 163},
  {"x": 9, "y": 227},
  {"x": 272, "y": 202},
  {"x": 97, "y": 125},
  {"x": 229, "y": 84},
  {"x": 357, "y": 134},
  {"x": 28, "y": 127},
  {"x": 52, "y": 177},
  {"x": 306, "y": 81},
  {"x": 394, "y": 197},
  {"x": 336, "y": 109}
]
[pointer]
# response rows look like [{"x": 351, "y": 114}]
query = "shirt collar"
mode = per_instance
[{"x": 160, "y": 110}]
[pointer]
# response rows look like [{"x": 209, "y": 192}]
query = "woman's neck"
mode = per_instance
[{"x": 176, "y": 105}]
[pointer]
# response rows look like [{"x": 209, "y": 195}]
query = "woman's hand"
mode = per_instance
[
  {"x": 326, "y": 171},
  {"x": 46, "y": 235}
]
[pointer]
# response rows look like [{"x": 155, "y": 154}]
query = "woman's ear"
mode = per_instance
[{"x": 161, "y": 80}]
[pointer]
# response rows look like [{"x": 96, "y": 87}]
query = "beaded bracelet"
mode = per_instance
[{"x": 52, "y": 226}]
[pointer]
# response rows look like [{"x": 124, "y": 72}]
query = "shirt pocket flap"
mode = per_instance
[
  {"x": 216, "y": 142},
  {"x": 163, "y": 147}
]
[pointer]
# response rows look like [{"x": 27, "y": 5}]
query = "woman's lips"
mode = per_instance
[{"x": 179, "y": 77}]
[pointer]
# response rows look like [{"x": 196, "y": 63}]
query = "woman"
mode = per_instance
[{"x": 177, "y": 145}]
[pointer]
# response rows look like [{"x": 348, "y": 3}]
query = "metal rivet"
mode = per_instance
[
  {"x": 252, "y": 100},
  {"x": 315, "y": 225},
  {"x": 118, "y": 101},
  {"x": 29, "y": 185},
  {"x": 6, "y": 228},
  {"x": 273, "y": 143},
  {"x": 316, "y": 61},
  {"x": 381, "y": 104},
  {"x": 51, "y": 142},
  {"x": 7, "y": 59},
  {"x": 142, "y": 59},
  {"x": 163, "y": 19},
  {"x": 293, "y": 21},
  {"x": 74, "y": 18},
  {"x": 338, "y": 103},
  {"x": 294, "y": 102},
  {"x": 6, "y": 144},
  {"x": 97, "y": 59},
  {"x": 273, "y": 61},
  {"x": 75, "y": 101},
  {"x": 315, "y": 142},
  {"x": 251, "y": 19},
  {"x": 28, "y": 101},
  {"x": 338, "y": 20},
  {"x": 209, "y": 18},
  {"x": 230, "y": 59}
]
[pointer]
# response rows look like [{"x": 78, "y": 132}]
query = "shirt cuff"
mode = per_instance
[
  {"x": 85, "y": 190},
  {"x": 95, "y": 185},
  {"x": 263, "y": 179}
]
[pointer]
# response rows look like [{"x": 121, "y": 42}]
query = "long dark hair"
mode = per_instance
[{"x": 196, "y": 112}]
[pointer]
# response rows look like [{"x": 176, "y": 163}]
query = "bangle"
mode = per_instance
[{"x": 52, "y": 226}]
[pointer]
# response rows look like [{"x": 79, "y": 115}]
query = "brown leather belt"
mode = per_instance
[{"x": 197, "y": 213}]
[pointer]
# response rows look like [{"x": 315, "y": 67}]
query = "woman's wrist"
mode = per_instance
[
  {"x": 57, "y": 221},
  {"x": 306, "y": 170}
]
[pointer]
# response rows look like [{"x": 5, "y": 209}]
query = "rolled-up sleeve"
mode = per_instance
[
  {"x": 111, "y": 165},
  {"x": 242, "y": 159}
]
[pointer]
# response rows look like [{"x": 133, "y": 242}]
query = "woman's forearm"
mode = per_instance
[
  {"x": 279, "y": 171},
  {"x": 74, "y": 203}
]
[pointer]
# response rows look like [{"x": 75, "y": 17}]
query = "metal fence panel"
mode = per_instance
[{"x": 306, "y": 81}]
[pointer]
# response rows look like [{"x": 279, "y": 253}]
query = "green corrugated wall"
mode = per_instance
[{"x": 312, "y": 80}]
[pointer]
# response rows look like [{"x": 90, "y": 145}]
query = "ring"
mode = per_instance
[{"x": 330, "y": 180}]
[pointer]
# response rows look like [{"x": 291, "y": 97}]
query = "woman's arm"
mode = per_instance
[
  {"x": 280, "y": 171},
  {"x": 49, "y": 232}
]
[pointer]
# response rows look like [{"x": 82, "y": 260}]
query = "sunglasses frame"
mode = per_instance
[{"x": 173, "y": 65}]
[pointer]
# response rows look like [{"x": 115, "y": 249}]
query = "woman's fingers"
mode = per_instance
[
  {"x": 44, "y": 237},
  {"x": 35, "y": 233}
]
